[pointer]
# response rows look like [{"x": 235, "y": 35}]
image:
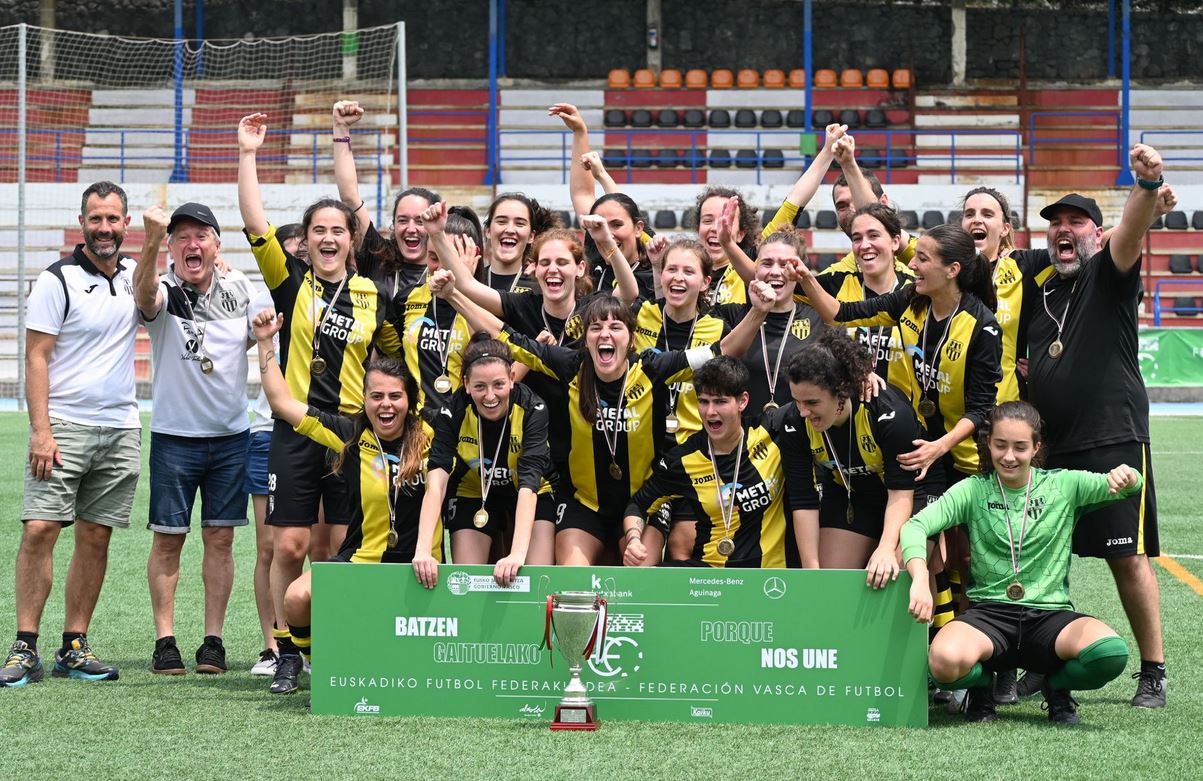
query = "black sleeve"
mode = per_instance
[
  {"x": 668, "y": 480},
  {"x": 446, "y": 425},
  {"x": 895, "y": 429},
  {"x": 1123, "y": 287},
  {"x": 367, "y": 257},
  {"x": 788, "y": 430},
  {"x": 983, "y": 372},
  {"x": 560, "y": 363},
  {"x": 534, "y": 462},
  {"x": 518, "y": 310},
  {"x": 892, "y": 305},
  {"x": 1031, "y": 261},
  {"x": 341, "y": 425}
]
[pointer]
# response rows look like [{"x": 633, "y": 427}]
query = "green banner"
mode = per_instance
[
  {"x": 1171, "y": 357},
  {"x": 754, "y": 646}
]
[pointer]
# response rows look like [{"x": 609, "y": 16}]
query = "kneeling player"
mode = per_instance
[{"x": 1020, "y": 521}]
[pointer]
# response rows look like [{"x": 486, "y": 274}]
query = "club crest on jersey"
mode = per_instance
[
  {"x": 954, "y": 349},
  {"x": 800, "y": 330},
  {"x": 867, "y": 444}
]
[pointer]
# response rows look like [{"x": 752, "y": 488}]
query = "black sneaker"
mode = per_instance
[
  {"x": 1005, "y": 688},
  {"x": 1150, "y": 689},
  {"x": 166, "y": 659},
  {"x": 1031, "y": 683},
  {"x": 1061, "y": 706},
  {"x": 211, "y": 657},
  {"x": 979, "y": 705},
  {"x": 79, "y": 662},
  {"x": 21, "y": 667},
  {"x": 288, "y": 670}
]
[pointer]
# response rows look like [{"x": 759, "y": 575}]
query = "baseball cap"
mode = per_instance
[
  {"x": 197, "y": 212},
  {"x": 1075, "y": 201}
]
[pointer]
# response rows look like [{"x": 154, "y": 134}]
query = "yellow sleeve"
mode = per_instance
[
  {"x": 270, "y": 256},
  {"x": 312, "y": 427},
  {"x": 786, "y": 213}
]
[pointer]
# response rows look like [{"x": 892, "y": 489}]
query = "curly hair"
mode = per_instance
[
  {"x": 832, "y": 362},
  {"x": 748, "y": 221}
]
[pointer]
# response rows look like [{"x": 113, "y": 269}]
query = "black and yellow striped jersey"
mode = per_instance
[
  {"x": 635, "y": 428},
  {"x": 845, "y": 282},
  {"x": 1009, "y": 286},
  {"x": 434, "y": 336},
  {"x": 457, "y": 450},
  {"x": 961, "y": 371},
  {"x": 359, "y": 319},
  {"x": 806, "y": 324},
  {"x": 378, "y": 259},
  {"x": 655, "y": 330},
  {"x": 727, "y": 287},
  {"x": 524, "y": 313},
  {"x": 759, "y": 514},
  {"x": 369, "y": 476}
]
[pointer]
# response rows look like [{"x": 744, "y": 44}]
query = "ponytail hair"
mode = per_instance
[
  {"x": 1006, "y": 242},
  {"x": 954, "y": 245},
  {"x": 541, "y": 219},
  {"x": 600, "y": 308}
]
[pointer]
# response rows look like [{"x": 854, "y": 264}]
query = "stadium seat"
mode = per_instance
[
  {"x": 802, "y": 220},
  {"x": 825, "y": 78},
  {"x": 821, "y": 118},
  {"x": 722, "y": 78},
  {"x": 766, "y": 216},
  {"x": 1184, "y": 306},
  {"x": 689, "y": 220},
  {"x": 852, "y": 78},
  {"x": 696, "y": 79},
  {"x": 614, "y": 158},
  {"x": 747, "y": 78},
  {"x": 665, "y": 221},
  {"x": 774, "y": 79},
  {"x": 1157, "y": 225},
  {"x": 826, "y": 220},
  {"x": 1180, "y": 264},
  {"x": 909, "y": 219},
  {"x": 644, "y": 217},
  {"x": 565, "y": 218},
  {"x": 902, "y": 79},
  {"x": 720, "y": 118},
  {"x": 694, "y": 117},
  {"x": 1175, "y": 221},
  {"x": 870, "y": 158},
  {"x": 825, "y": 260},
  {"x": 796, "y": 79},
  {"x": 898, "y": 116},
  {"x": 615, "y": 117},
  {"x": 875, "y": 118},
  {"x": 641, "y": 117},
  {"x": 644, "y": 79},
  {"x": 745, "y": 117},
  {"x": 954, "y": 217},
  {"x": 931, "y": 219},
  {"x": 746, "y": 158},
  {"x": 670, "y": 78},
  {"x": 695, "y": 158},
  {"x": 1199, "y": 264},
  {"x": 795, "y": 118},
  {"x": 772, "y": 158},
  {"x": 619, "y": 78},
  {"x": 664, "y": 159},
  {"x": 671, "y": 158},
  {"x": 1015, "y": 219},
  {"x": 877, "y": 78},
  {"x": 850, "y": 117},
  {"x": 668, "y": 117},
  {"x": 771, "y": 118},
  {"x": 720, "y": 158},
  {"x": 642, "y": 158},
  {"x": 1196, "y": 221}
]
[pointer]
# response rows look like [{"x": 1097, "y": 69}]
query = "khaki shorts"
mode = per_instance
[{"x": 97, "y": 480}]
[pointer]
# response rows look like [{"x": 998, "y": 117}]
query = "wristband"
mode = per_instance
[
  {"x": 1151, "y": 185},
  {"x": 360, "y": 206},
  {"x": 342, "y": 140}
]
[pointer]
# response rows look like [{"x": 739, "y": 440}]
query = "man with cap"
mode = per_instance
[
  {"x": 197, "y": 317},
  {"x": 1084, "y": 378}
]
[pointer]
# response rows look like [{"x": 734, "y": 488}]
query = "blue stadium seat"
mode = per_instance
[
  {"x": 641, "y": 118},
  {"x": 931, "y": 219},
  {"x": 826, "y": 220},
  {"x": 665, "y": 220},
  {"x": 795, "y": 118},
  {"x": 802, "y": 220},
  {"x": 720, "y": 158},
  {"x": 746, "y": 158},
  {"x": 668, "y": 118},
  {"x": 694, "y": 117},
  {"x": 1175, "y": 221}
]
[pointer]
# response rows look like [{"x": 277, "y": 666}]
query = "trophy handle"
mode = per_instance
[
  {"x": 598, "y": 638},
  {"x": 547, "y": 631}
]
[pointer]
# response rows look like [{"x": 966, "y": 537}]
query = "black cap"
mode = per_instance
[
  {"x": 197, "y": 212},
  {"x": 1075, "y": 201}
]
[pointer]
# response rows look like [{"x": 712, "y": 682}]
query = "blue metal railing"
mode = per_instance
[
  {"x": 1164, "y": 153},
  {"x": 1115, "y": 138},
  {"x": 1158, "y": 307},
  {"x": 698, "y": 142}
]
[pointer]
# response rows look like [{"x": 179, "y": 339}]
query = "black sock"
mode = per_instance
[
  {"x": 287, "y": 646},
  {"x": 301, "y": 639},
  {"x": 68, "y": 637},
  {"x": 30, "y": 639},
  {"x": 1152, "y": 667}
]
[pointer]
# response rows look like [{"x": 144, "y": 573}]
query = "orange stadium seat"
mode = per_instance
[
  {"x": 696, "y": 79},
  {"x": 825, "y": 78},
  {"x": 748, "y": 79},
  {"x": 902, "y": 79},
  {"x": 877, "y": 78},
  {"x": 851, "y": 78},
  {"x": 774, "y": 79},
  {"x": 619, "y": 78},
  {"x": 722, "y": 78},
  {"x": 797, "y": 79},
  {"x": 645, "y": 79},
  {"x": 670, "y": 78}
]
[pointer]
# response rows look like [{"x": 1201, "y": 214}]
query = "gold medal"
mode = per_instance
[
  {"x": 1015, "y": 591},
  {"x": 442, "y": 383},
  {"x": 725, "y": 546},
  {"x": 769, "y": 407},
  {"x": 393, "y": 538},
  {"x": 206, "y": 365},
  {"x": 849, "y": 515},
  {"x": 319, "y": 365},
  {"x": 481, "y": 518},
  {"x": 671, "y": 424},
  {"x": 615, "y": 471},
  {"x": 1055, "y": 349},
  {"x": 927, "y": 408}
]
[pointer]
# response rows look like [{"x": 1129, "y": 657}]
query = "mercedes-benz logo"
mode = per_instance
[{"x": 774, "y": 588}]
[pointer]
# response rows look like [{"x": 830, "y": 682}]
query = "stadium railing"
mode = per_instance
[{"x": 1176, "y": 309}]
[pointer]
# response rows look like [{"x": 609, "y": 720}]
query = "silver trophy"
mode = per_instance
[{"x": 577, "y": 620}]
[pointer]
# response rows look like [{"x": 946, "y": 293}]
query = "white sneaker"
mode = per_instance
[
  {"x": 307, "y": 666},
  {"x": 266, "y": 664}
]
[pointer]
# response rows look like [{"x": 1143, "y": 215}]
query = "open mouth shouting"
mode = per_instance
[
  {"x": 607, "y": 355},
  {"x": 979, "y": 237},
  {"x": 193, "y": 262},
  {"x": 1064, "y": 248}
]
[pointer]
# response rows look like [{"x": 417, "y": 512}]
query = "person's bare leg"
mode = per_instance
[
  {"x": 262, "y": 576},
  {"x": 162, "y": 577},
  {"x": 217, "y": 572},
  {"x": 1140, "y": 594},
  {"x": 34, "y": 572},
  {"x": 85, "y": 574}
]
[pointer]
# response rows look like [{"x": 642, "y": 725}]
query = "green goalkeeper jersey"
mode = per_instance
[{"x": 1059, "y": 498}]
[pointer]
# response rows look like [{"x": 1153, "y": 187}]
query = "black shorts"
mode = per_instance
[
  {"x": 299, "y": 481},
  {"x": 1124, "y": 528},
  {"x": 867, "y": 520},
  {"x": 461, "y": 510},
  {"x": 571, "y": 514},
  {"x": 1023, "y": 637}
]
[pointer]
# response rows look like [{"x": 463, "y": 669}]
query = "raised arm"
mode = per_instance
[
  {"x": 823, "y": 302},
  {"x": 434, "y": 222},
  {"x": 147, "y": 294},
  {"x": 739, "y": 340},
  {"x": 252, "y": 129},
  {"x": 345, "y": 114},
  {"x": 739, "y": 260},
  {"x": 808, "y": 183},
  {"x": 1139, "y": 210},
  {"x": 845, "y": 154},
  {"x": 581, "y": 187},
  {"x": 442, "y": 285},
  {"x": 592, "y": 162},
  {"x": 266, "y": 325},
  {"x": 628, "y": 288}
]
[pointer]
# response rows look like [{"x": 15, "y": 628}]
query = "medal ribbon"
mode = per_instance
[
  {"x": 764, "y": 351},
  {"x": 317, "y": 327},
  {"x": 726, "y": 507},
  {"x": 200, "y": 332},
  {"x": 845, "y": 476},
  {"x": 486, "y": 483},
  {"x": 390, "y": 485},
  {"x": 1015, "y": 553},
  {"x": 673, "y": 395},
  {"x": 622, "y": 400},
  {"x": 927, "y": 382},
  {"x": 1065, "y": 315}
]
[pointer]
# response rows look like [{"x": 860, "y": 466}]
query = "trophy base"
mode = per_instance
[{"x": 574, "y": 717}]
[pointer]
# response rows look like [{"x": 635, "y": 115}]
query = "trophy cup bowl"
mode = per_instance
[{"x": 573, "y": 617}]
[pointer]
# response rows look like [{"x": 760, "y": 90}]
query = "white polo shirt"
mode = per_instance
[
  {"x": 188, "y": 326},
  {"x": 95, "y": 319}
]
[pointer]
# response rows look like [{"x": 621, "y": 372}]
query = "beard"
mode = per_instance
[
  {"x": 1084, "y": 249},
  {"x": 91, "y": 239}
]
